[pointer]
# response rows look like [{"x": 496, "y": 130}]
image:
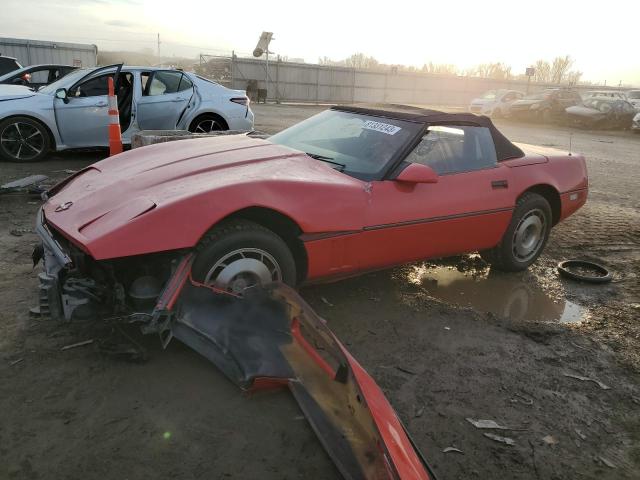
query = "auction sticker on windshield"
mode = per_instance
[{"x": 381, "y": 127}]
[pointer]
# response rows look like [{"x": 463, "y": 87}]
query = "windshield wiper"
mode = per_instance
[{"x": 322, "y": 158}]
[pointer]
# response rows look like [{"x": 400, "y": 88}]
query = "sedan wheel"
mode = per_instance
[
  {"x": 23, "y": 140},
  {"x": 207, "y": 125}
]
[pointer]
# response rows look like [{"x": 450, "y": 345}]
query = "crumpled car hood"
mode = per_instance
[
  {"x": 14, "y": 92},
  {"x": 188, "y": 175}
]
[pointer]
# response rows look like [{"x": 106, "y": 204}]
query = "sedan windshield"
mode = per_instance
[{"x": 359, "y": 145}]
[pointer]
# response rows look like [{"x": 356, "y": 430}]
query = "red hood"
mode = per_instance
[{"x": 112, "y": 193}]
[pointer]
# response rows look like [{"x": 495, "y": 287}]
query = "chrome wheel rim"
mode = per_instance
[
  {"x": 244, "y": 268},
  {"x": 207, "y": 126},
  {"x": 22, "y": 141},
  {"x": 529, "y": 235}
]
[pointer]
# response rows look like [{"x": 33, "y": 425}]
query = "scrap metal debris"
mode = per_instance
[
  {"x": 486, "y": 424},
  {"x": 30, "y": 184},
  {"x": 419, "y": 411},
  {"x": 580, "y": 434},
  {"x": 587, "y": 379},
  {"x": 326, "y": 302},
  {"x": 452, "y": 449},
  {"x": 608, "y": 463},
  {"x": 76, "y": 345},
  {"x": 498, "y": 438},
  {"x": 550, "y": 440},
  {"x": 16, "y": 362}
]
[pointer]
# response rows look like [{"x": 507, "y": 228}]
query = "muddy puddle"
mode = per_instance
[{"x": 511, "y": 296}]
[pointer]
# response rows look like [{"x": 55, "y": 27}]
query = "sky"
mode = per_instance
[{"x": 601, "y": 37}]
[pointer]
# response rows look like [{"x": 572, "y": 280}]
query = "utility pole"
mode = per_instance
[{"x": 158, "y": 45}]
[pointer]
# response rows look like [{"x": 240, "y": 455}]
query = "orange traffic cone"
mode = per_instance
[{"x": 115, "y": 139}]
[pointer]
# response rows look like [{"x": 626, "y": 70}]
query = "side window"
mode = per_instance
[
  {"x": 40, "y": 76},
  {"x": 185, "y": 83},
  {"x": 94, "y": 87},
  {"x": 455, "y": 149},
  {"x": 98, "y": 86},
  {"x": 162, "y": 83}
]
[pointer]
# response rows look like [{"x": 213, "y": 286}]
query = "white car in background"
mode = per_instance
[
  {"x": 634, "y": 99},
  {"x": 495, "y": 103},
  {"x": 73, "y": 111}
]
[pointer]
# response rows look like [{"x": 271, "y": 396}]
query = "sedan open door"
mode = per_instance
[{"x": 165, "y": 97}]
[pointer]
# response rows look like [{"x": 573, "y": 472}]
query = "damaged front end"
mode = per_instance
[
  {"x": 266, "y": 338},
  {"x": 73, "y": 285}
]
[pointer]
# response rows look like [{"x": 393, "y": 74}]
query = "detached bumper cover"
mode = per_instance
[{"x": 271, "y": 338}]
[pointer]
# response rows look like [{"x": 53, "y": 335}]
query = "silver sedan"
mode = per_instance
[{"x": 73, "y": 111}]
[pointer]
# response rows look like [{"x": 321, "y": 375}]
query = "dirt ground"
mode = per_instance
[{"x": 446, "y": 341}]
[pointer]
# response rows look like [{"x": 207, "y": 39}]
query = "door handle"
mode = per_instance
[
  {"x": 495, "y": 184},
  {"x": 101, "y": 104}
]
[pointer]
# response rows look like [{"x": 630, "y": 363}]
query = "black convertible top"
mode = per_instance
[{"x": 504, "y": 148}]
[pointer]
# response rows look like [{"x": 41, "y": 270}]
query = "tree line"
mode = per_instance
[{"x": 558, "y": 71}]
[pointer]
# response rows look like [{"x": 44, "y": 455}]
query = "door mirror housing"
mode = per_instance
[
  {"x": 61, "y": 93},
  {"x": 417, "y": 173}
]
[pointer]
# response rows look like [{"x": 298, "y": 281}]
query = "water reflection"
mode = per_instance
[{"x": 505, "y": 295}]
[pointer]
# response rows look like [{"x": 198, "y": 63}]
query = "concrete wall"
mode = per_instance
[
  {"x": 297, "y": 82},
  {"x": 34, "y": 52}
]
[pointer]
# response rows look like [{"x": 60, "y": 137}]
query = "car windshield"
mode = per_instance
[
  {"x": 599, "y": 103},
  {"x": 69, "y": 79},
  {"x": 359, "y": 145}
]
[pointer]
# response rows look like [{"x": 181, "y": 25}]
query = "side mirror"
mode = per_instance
[
  {"x": 18, "y": 81},
  {"x": 417, "y": 173},
  {"x": 61, "y": 93}
]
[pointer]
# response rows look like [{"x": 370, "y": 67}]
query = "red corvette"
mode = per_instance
[{"x": 346, "y": 191}]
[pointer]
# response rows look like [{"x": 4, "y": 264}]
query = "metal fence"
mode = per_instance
[
  {"x": 299, "y": 82},
  {"x": 34, "y": 52}
]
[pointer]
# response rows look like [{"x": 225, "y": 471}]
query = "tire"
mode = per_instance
[
  {"x": 526, "y": 235},
  {"x": 239, "y": 254},
  {"x": 23, "y": 139},
  {"x": 208, "y": 123}
]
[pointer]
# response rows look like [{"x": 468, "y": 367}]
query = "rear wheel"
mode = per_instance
[
  {"x": 240, "y": 254},
  {"x": 208, "y": 123},
  {"x": 526, "y": 236},
  {"x": 23, "y": 139}
]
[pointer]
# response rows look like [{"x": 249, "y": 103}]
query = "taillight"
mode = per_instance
[{"x": 240, "y": 100}]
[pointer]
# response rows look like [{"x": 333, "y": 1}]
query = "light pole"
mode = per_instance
[{"x": 263, "y": 47}]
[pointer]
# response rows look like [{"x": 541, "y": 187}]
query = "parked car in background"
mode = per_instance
[
  {"x": 545, "y": 106},
  {"x": 36, "y": 76},
  {"x": 495, "y": 103},
  {"x": 8, "y": 64},
  {"x": 602, "y": 112},
  {"x": 634, "y": 98},
  {"x": 606, "y": 93},
  {"x": 635, "y": 125},
  {"x": 72, "y": 112}
]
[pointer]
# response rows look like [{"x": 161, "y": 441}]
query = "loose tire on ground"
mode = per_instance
[
  {"x": 519, "y": 246},
  {"x": 23, "y": 139},
  {"x": 239, "y": 253}
]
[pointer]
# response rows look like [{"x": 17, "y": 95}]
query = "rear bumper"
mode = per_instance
[{"x": 572, "y": 201}]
